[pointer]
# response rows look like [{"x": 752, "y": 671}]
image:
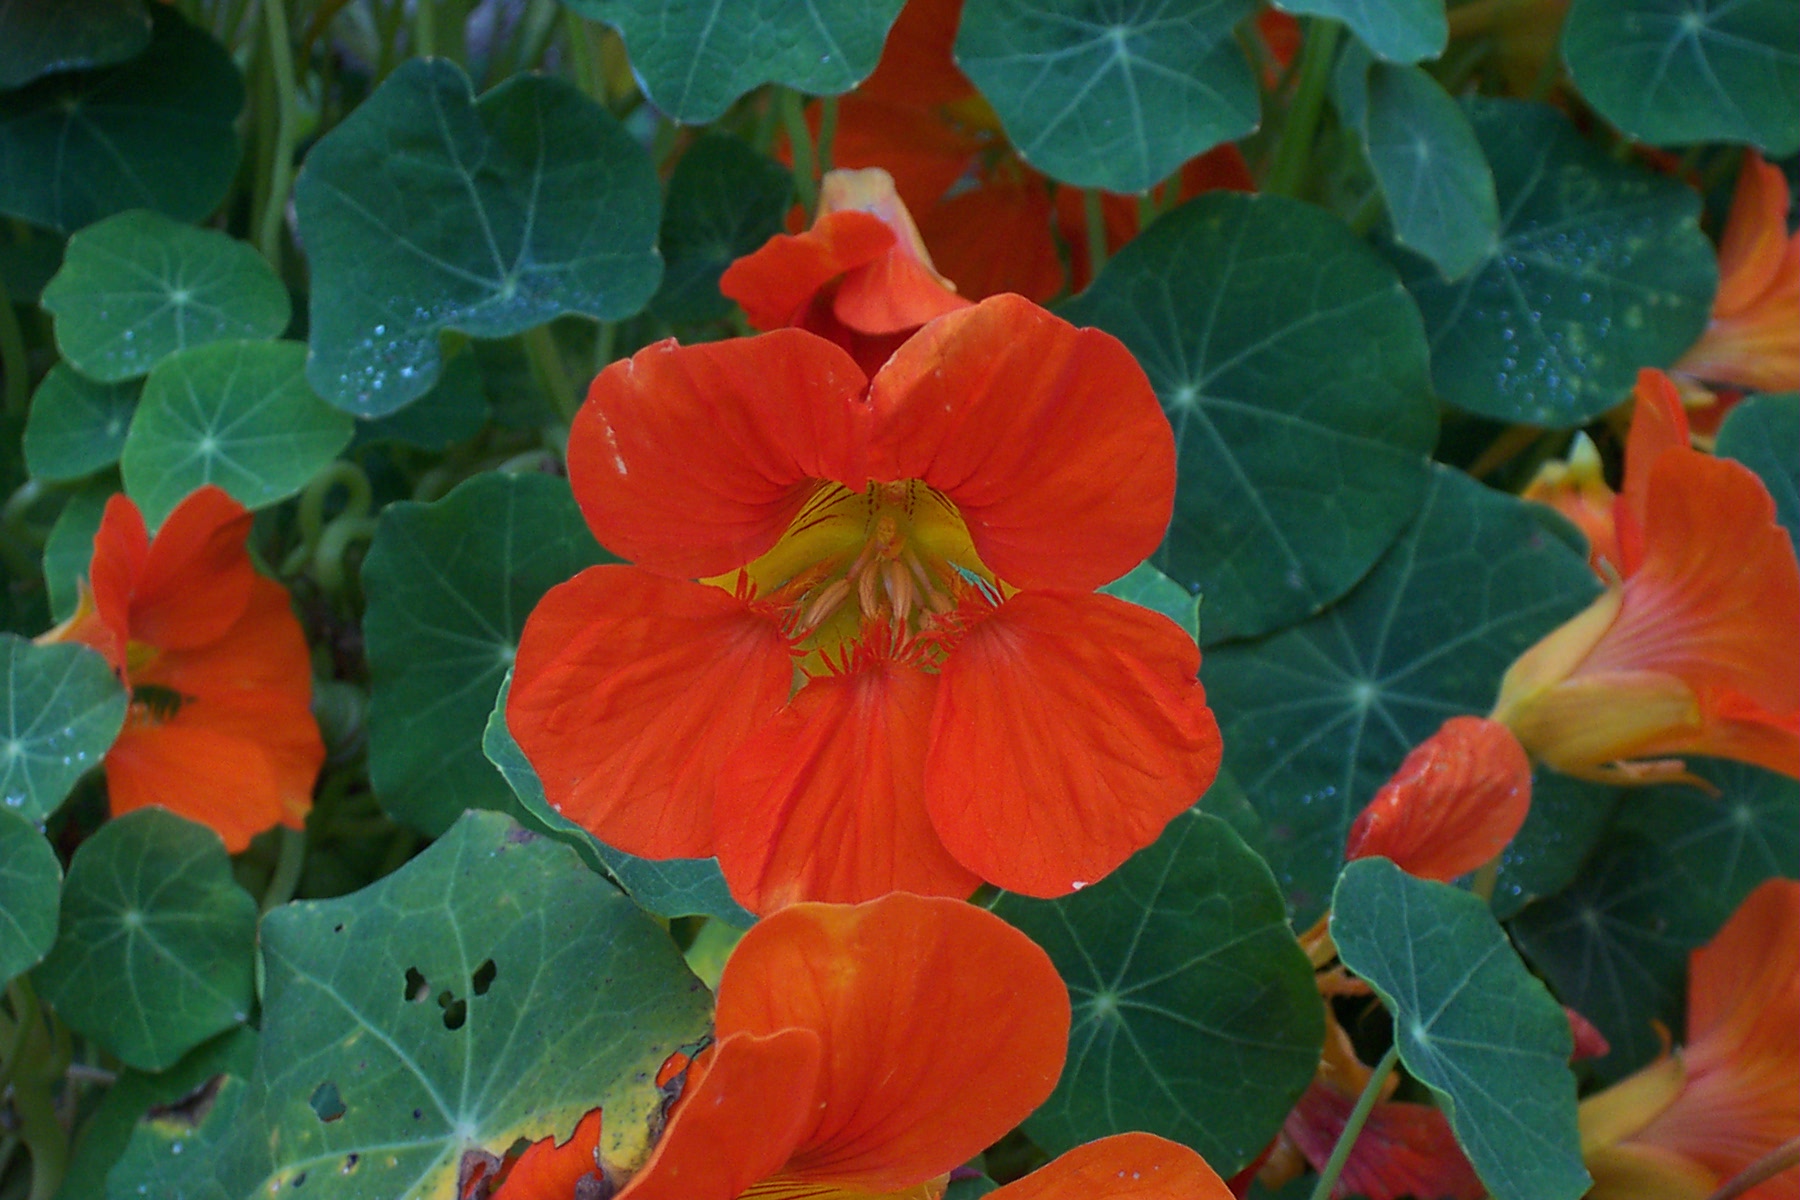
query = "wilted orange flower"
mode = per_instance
[
  {"x": 918, "y": 552},
  {"x": 856, "y": 1054},
  {"x": 1683, "y": 1126},
  {"x": 217, "y": 667},
  {"x": 1692, "y": 650}
]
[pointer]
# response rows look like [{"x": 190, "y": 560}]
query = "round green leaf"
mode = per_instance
[
  {"x": 236, "y": 414},
  {"x": 1317, "y": 717},
  {"x": 1111, "y": 96},
  {"x": 155, "y": 949},
  {"x": 213, "y": 1150},
  {"x": 1600, "y": 269},
  {"x": 725, "y": 200},
  {"x": 38, "y": 37},
  {"x": 454, "y": 410},
  {"x": 70, "y": 547},
  {"x": 1567, "y": 819},
  {"x": 1763, "y": 433},
  {"x": 694, "y": 58},
  {"x": 449, "y": 586},
  {"x": 1149, "y": 588},
  {"x": 30, "y": 888},
  {"x": 428, "y": 210},
  {"x": 76, "y": 426},
  {"x": 1195, "y": 1012},
  {"x": 137, "y": 287},
  {"x": 154, "y": 132},
  {"x": 1400, "y": 31},
  {"x": 1293, "y": 368},
  {"x": 60, "y": 709},
  {"x": 1672, "y": 72},
  {"x": 1472, "y": 1024}
]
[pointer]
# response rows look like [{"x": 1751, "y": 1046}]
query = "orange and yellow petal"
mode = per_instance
[
  {"x": 1047, "y": 438},
  {"x": 917, "y": 66},
  {"x": 926, "y": 1061},
  {"x": 630, "y": 691},
  {"x": 1577, "y": 489},
  {"x": 900, "y": 290},
  {"x": 121, "y": 550},
  {"x": 547, "y": 1171},
  {"x": 1659, "y": 424},
  {"x": 1126, "y": 1166},
  {"x": 1070, "y": 729}
]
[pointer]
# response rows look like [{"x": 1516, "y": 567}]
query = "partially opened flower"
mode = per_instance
[
  {"x": 1692, "y": 649},
  {"x": 918, "y": 553},
  {"x": 1576, "y": 487},
  {"x": 220, "y": 728},
  {"x": 1685, "y": 1125}
]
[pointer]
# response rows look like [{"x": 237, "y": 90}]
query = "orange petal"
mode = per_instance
[
  {"x": 1658, "y": 424},
  {"x": 827, "y": 801},
  {"x": 547, "y": 1171},
  {"x": 942, "y": 1027},
  {"x": 197, "y": 577},
  {"x": 1047, "y": 438},
  {"x": 995, "y": 238},
  {"x": 236, "y": 794},
  {"x": 1756, "y": 243},
  {"x": 777, "y": 282},
  {"x": 1070, "y": 729},
  {"x": 1138, "y": 1166},
  {"x": 1577, "y": 489},
  {"x": 691, "y": 460},
  {"x": 121, "y": 549},
  {"x": 916, "y": 66},
  {"x": 924, "y": 152},
  {"x": 1404, "y": 1150},
  {"x": 899, "y": 290},
  {"x": 629, "y": 692},
  {"x": 1455, "y": 802}
]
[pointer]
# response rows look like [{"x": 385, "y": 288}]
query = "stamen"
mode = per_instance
[{"x": 823, "y": 604}]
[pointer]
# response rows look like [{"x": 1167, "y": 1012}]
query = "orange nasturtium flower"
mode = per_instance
[
  {"x": 1687, "y": 1123},
  {"x": 918, "y": 553},
  {"x": 220, "y": 728},
  {"x": 1691, "y": 649},
  {"x": 857, "y": 1055}
]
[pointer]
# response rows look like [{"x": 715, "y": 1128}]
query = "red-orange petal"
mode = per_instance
[
  {"x": 236, "y": 794},
  {"x": 1127, "y": 1166},
  {"x": 916, "y": 64},
  {"x": 629, "y": 692},
  {"x": 197, "y": 576},
  {"x": 776, "y": 283},
  {"x": 1404, "y": 1151},
  {"x": 827, "y": 802},
  {"x": 1048, "y": 439},
  {"x": 691, "y": 460},
  {"x": 1756, "y": 240},
  {"x": 547, "y": 1171},
  {"x": 1658, "y": 424},
  {"x": 121, "y": 548},
  {"x": 942, "y": 1027},
  {"x": 995, "y": 238},
  {"x": 1455, "y": 802},
  {"x": 1070, "y": 729}
]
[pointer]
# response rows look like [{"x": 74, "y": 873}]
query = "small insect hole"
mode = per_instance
[
  {"x": 327, "y": 1105},
  {"x": 416, "y": 987},
  {"x": 483, "y": 979}
]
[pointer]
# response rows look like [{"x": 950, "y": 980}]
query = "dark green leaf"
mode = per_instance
[
  {"x": 214, "y": 1150},
  {"x": 30, "y": 884},
  {"x": 725, "y": 200},
  {"x": 1318, "y": 716},
  {"x": 137, "y": 287},
  {"x": 1113, "y": 96},
  {"x": 970, "y": 1189},
  {"x": 427, "y": 210},
  {"x": 29, "y": 256},
  {"x": 1149, "y": 587},
  {"x": 1600, "y": 269},
  {"x": 155, "y": 949},
  {"x": 1293, "y": 368},
  {"x": 1567, "y": 818},
  {"x": 454, "y": 410},
  {"x": 155, "y": 132},
  {"x": 61, "y": 709},
  {"x": 1195, "y": 1012},
  {"x": 1671, "y": 72},
  {"x": 1471, "y": 1023},
  {"x": 449, "y": 586},
  {"x": 236, "y": 414},
  {"x": 1400, "y": 31},
  {"x": 70, "y": 546},
  {"x": 694, "y": 58},
  {"x": 76, "y": 426},
  {"x": 1763, "y": 433},
  {"x": 38, "y": 37}
]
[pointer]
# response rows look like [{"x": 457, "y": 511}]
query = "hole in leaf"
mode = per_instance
[
  {"x": 298, "y": 1180},
  {"x": 350, "y": 1161},
  {"x": 456, "y": 1011},
  {"x": 192, "y": 1108},
  {"x": 416, "y": 987},
  {"x": 327, "y": 1105},
  {"x": 483, "y": 979}
]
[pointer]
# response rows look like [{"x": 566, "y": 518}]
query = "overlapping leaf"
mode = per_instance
[
  {"x": 30, "y": 885},
  {"x": 1399, "y": 31},
  {"x": 76, "y": 426},
  {"x": 1763, "y": 433},
  {"x": 64, "y": 35},
  {"x": 1145, "y": 585},
  {"x": 725, "y": 200},
  {"x": 60, "y": 708},
  {"x": 70, "y": 547},
  {"x": 1567, "y": 819}
]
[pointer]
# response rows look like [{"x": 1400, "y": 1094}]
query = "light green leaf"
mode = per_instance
[
  {"x": 1567, "y": 819},
  {"x": 694, "y": 58},
  {"x": 1195, "y": 1012},
  {"x": 1400, "y": 31},
  {"x": 137, "y": 287},
  {"x": 1111, "y": 96},
  {"x": 1673, "y": 72},
  {"x": 725, "y": 200},
  {"x": 70, "y": 547},
  {"x": 1472, "y": 1024},
  {"x": 76, "y": 426},
  {"x": 236, "y": 414},
  {"x": 154, "y": 132},
  {"x": 1293, "y": 367},
  {"x": 427, "y": 210},
  {"x": 38, "y": 37},
  {"x": 155, "y": 949},
  {"x": 30, "y": 885},
  {"x": 60, "y": 708},
  {"x": 1146, "y": 586},
  {"x": 1600, "y": 269},
  {"x": 1763, "y": 433}
]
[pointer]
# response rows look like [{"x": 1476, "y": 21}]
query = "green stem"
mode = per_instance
[
  {"x": 287, "y": 125},
  {"x": 1293, "y": 155},
  {"x": 1094, "y": 210},
  {"x": 1487, "y": 877},
  {"x": 1365, "y": 1104},
  {"x": 31, "y": 1068},
  {"x": 547, "y": 365},
  {"x": 800, "y": 143},
  {"x": 344, "y": 531},
  {"x": 290, "y": 860},
  {"x": 828, "y": 119},
  {"x": 606, "y": 345},
  {"x": 424, "y": 30},
  {"x": 14, "y": 365}
]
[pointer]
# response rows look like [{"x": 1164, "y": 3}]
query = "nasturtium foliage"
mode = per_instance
[
  {"x": 428, "y": 209},
  {"x": 1470, "y": 1022},
  {"x": 725, "y": 200},
  {"x": 30, "y": 885},
  {"x": 1292, "y": 365},
  {"x": 449, "y": 586},
  {"x": 215, "y": 1150},
  {"x": 1111, "y": 96},
  {"x": 60, "y": 708},
  {"x": 670, "y": 887},
  {"x": 1399, "y": 31},
  {"x": 69, "y": 548},
  {"x": 1599, "y": 269},
  {"x": 1567, "y": 820},
  {"x": 155, "y": 947},
  {"x": 138, "y": 287},
  {"x": 76, "y": 426},
  {"x": 38, "y": 38},
  {"x": 1316, "y": 717},
  {"x": 236, "y": 414},
  {"x": 455, "y": 409},
  {"x": 156, "y": 131},
  {"x": 1195, "y": 1013},
  {"x": 1146, "y": 586},
  {"x": 1675, "y": 72},
  {"x": 1763, "y": 433}
]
